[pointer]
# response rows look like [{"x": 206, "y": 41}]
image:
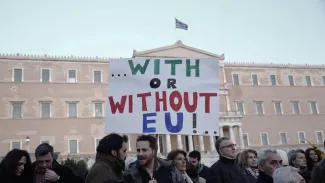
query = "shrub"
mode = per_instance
[{"x": 79, "y": 168}]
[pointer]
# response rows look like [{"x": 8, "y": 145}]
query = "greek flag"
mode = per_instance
[{"x": 180, "y": 25}]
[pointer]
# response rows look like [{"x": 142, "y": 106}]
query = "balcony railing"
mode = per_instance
[{"x": 230, "y": 113}]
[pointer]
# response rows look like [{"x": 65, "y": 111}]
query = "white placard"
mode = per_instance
[{"x": 163, "y": 96}]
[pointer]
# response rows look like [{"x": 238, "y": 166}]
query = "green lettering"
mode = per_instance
[
  {"x": 173, "y": 65},
  {"x": 157, "y": 66},
  {"x": 189, "y": 67},
  {"x": 138, "y": 67}
]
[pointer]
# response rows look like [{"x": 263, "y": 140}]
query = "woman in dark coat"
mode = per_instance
[{"x": 16, "y": 167}]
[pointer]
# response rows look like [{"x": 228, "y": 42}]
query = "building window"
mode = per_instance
[
  {"x": 72, "y": 76},
  {"x": 254, "y": 79},
  {"x": 320, "y": 137},
  {"x": 46, "y": 75},
  {"x": 323, "y": 80},
  {"x": 302, "y": 137},
  {"x": 17, "y": 110},
  {"x": 97, "y": 76},
  {"x": 96, "y": 143},
  {"x": 259, "y": 107},
  {"x": 240, "y": 107},
  {"x": 98, "y": 109},
  {"x": 296, "y": 107},
  {"x": 264, "y": 139},
  {"x": 45, "y": 109},
  {"x": 313, "y": 107},
  {"x": 18, "y": 75},
  {"x": 308, "y": 80},
  {"x": 245, "y": 138},
  {"x": 72, "y": 109},
  {"x": 15, "y": 145},
  {"x": 291, "y": 81},
  {"x": 45, "y": 142},
  {"x": 73, "y": 147},
  {"x": 273, "y": 80},
  {"x": 283, "y": 138},
  {"x": 277, "y": 108},
  {"x": 235, "y": 79}
]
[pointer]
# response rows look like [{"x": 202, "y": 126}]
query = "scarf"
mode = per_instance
[{"x": 253, "y": 172}]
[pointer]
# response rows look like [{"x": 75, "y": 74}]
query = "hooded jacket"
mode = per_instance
[{"x": 105, "y": 168}]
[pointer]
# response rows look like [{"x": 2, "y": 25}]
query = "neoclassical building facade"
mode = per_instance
[{"x": 62, "y": 101}]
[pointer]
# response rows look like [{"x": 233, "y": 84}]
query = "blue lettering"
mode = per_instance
[
  {"x": 169, "y": 125},
  {"x": 147, "y": 121}
]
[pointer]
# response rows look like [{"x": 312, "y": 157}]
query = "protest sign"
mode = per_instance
[{"x": 163, "y": 96}]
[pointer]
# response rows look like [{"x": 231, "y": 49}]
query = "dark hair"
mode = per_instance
[
  {"x": 292, "y": 155},
  {"x": 310, "y": 163},
  {"x": 43, "y": 149},
  {"x": 318, "y": 175},
  {"x": 111, "y": 142},
  {"x": 244, "y": 157},
  {"x": 195, "y": 154},
  {"x": 218, "y": 143},
  {"x": 151, "y": 139},
  {"x": 10, "y": 162},
  {"x": 172, "y": 155}
]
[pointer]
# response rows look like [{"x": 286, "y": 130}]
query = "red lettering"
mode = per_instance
[
  {"x": 163, "y": 100},
  {"x": 143, "y": 97},
  {"x": 175, "y": 95},
  {"x": 188, "y": 106},
  {"x": 130, "y": 104},
  {"x": 207, "y": 100},
  {"x": 118, "y": 105}
]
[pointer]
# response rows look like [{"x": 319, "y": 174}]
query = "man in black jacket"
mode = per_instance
[
  {"x": 195, "y": 160},
  {"x": 47, "y": 169},
  {"x": 225, "y": 170},
  {"x": 268, "y": 161}
]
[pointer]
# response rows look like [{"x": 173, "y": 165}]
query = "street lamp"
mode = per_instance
[{"x": 27, "y": 143}]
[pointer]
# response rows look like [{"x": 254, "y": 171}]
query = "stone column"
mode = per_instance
[
  {"x": 221, "y": 131},
  {"x": 179, "y": 142},
  {"x": 201, "y": 141},
  {"x": 228, "y": 103},
  {"x": 190, "y": 143},
  {"x": 212, "y": 143},
  {"x": 129, "y": 143},
  {"x": 241, "y": 139},
  {"x": 232, "y": 135},
  {"x": 158, "y": 144},
  {"x": 168, "y": 144}
]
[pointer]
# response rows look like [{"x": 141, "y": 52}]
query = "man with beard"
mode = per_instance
[
  {"x": 110, "y": 159},
  {"x": 225, "y": 170},
  {"x": 145, "y": 170},
  {"x": 47, "y": 169},
  {"x": 195, "y": 160}
]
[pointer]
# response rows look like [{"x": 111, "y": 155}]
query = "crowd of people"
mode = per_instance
[{"x": 265, "y": 166}]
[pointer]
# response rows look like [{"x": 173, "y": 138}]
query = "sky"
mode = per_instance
[{"x": 261, "y": 31}]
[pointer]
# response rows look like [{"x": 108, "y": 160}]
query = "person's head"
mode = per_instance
[
  {"x": 44, "y": 156},
  {"x": 312, "y": 157},
  {"x": 113, "y": 145},
  {"x": 16, "y": 162},
  {"x": 248, "y": 158},
  {"x": 284, "y": 157},
  {"x": 194, "y": 158},
  {"x": 225, "y": 147},
  {"x": 268, "y": 160},
  {"x": 179, "y": 159},
  {"x": 297, "y": 159},
  {"x": 287, "y": 175},
  {"x": 146, "y": 148}
]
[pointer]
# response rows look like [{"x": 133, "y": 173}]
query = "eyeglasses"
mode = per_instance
[{"x": 231, "y": 146}]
